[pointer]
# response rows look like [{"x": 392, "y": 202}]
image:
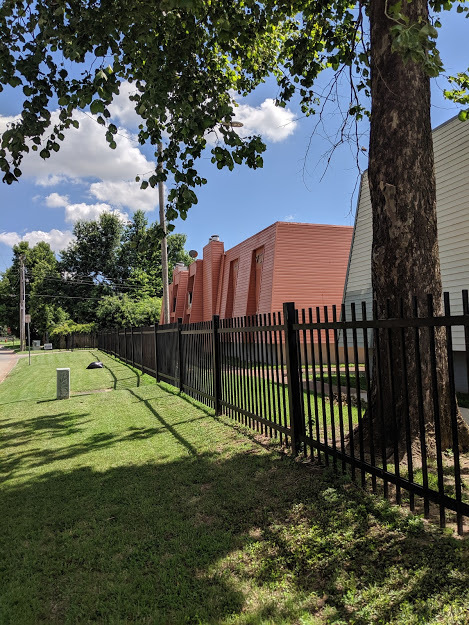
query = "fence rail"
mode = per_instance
[{"x": 375, "y": 396}]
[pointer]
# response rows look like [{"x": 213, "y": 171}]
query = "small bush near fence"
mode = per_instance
[{"x": 312, "y": 379}]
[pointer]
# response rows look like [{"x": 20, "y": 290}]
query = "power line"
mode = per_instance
[
  {"x": 96, "y": 299},
  {"x": 115, "y": 282},
  {"x": 103, "y": 284}
]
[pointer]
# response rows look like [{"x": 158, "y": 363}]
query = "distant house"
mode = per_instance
[
  {"x": 296, "y": 262},
  {"x": 451, "y": 149}
]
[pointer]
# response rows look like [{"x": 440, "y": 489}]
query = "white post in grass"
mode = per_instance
[{"x": 63, "y": 383}]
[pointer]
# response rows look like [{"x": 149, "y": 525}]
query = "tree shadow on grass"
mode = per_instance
[
  {"x": 252, "y": 538},
  {"x": 14, "y": 433},
  {"x": 42, "y": 456}
]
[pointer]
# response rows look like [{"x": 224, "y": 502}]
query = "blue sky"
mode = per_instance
[{"x": 86, "y": 177}]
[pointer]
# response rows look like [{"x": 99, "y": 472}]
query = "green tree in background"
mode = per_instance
[
  {"x": 40, "y": 266},
  {"x": 123, "y": 311},
  {"x": 139, "y": 258},
  {"x": 95, "y": 249},
  {"x": 109, "y": 275}
]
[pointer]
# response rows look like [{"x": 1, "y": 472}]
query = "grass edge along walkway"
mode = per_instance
[{"x": 137, "y": 506}]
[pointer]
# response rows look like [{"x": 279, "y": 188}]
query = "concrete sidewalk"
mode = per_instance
[{"x": 8, "y": 359}]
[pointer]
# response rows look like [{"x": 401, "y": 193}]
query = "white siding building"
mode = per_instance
[{"x": 451, "y": 148}]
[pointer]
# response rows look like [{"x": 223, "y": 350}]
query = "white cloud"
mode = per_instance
[
  {"x": 6, "y": 121},
  {"x": 89, "y": 212},
  {"x": 123, "y": 109},
  {"x": 55, "y": 200},
  {"x": 270, "y": 121},
  {"x": 51, "y": 180},
  {"x": 273, "y": 123},
  {"x": 289, "y": 218},
  {"x": 81, "y": 210},
  {"x": 57, "y": 239},
  {"x": 125, "y": 194},
  {"x": 85, "y": 153}
]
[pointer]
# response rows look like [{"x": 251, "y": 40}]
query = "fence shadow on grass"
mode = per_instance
[
  {"x": 121, "y": 383},
  {"x": 204, "y": 539}
]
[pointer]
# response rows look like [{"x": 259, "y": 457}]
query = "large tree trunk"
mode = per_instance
[{"x": 405, "y": 257}]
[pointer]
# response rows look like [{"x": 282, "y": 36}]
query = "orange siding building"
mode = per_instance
[{"x": 286, "y": 262}]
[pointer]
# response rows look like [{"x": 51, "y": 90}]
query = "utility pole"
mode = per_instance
[
  {"x": 22, "y": 304},
  {"x": 164, "y": 243}
]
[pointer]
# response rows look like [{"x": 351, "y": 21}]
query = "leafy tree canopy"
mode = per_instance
[
  {"x": 185, "y": 59},
  {"x": 123, "y": 312},
  {"x": 67, "y": 327}
]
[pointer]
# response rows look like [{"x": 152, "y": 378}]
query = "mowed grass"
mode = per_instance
[
  {"x": 136, "y": 506},
  {"x": 38, "y": 381},
  {"x": 269, "y": 399}
]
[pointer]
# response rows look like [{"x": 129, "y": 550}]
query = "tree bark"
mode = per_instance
[{"x": 405, "y": 258}]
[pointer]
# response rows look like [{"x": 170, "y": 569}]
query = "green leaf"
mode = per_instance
[
  {"x": 15, "y": 81},
  {"x": 97, "y": 106}
]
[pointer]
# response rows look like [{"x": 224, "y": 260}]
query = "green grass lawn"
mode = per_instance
[
  {"x": 343, "y": 380},
  {"x": 265, "y": 397},
  {"x": 13, "y": 343},
  {"x": 137, "y": 506}
]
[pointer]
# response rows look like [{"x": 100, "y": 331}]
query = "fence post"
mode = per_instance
[
  {"x": 181, "y": 377},
  {"x": 125, "y": 346},
  {"x": 141, "y": 349},
  {"x": 156, "y": 351},
  {"x": 297, "y": 422},
  {"x": 216, "y": 364},
  {"x": 132, "y": 345}
]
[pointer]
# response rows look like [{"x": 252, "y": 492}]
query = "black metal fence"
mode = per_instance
[
  {"x": 357, "y": 392},
  {"x": 76, "y": 340}
]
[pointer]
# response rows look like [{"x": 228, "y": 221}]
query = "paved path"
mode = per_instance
[{"x": 8, "y": 359}]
